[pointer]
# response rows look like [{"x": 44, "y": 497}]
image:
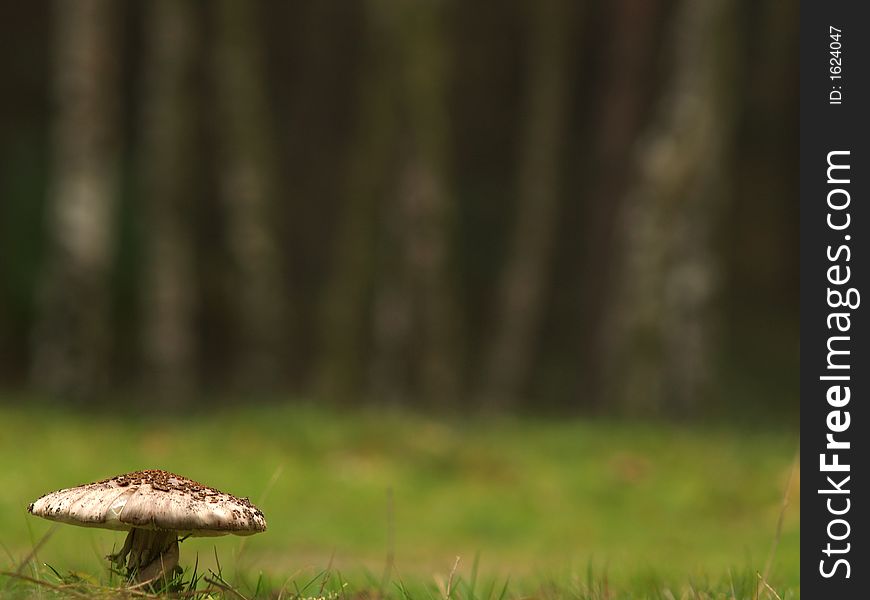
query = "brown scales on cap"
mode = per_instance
[
  {"x": 165, "y": 481},
  {"x": 155, "y": 506}
]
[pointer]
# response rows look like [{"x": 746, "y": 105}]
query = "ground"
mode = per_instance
[{"x": 572, "y": 503}]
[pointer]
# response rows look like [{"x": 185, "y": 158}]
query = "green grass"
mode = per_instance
[{"x": 643, "y": 508}]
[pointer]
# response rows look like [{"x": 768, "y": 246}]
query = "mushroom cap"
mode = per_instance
[{"x": 152, "y": 499}]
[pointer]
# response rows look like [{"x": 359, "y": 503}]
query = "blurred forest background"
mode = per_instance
[{"x": 551, "y": 206}]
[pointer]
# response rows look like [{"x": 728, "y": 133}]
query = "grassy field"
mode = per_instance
[{"x": 583, "y": 509}]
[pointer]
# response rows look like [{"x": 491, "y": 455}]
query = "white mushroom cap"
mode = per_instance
[{"x": 152, "y": 500}]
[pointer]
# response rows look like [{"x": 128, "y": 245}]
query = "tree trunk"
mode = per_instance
[
  {"x": 416, "y": 333},
  {"x": 629, "y": 76},
  {"x": 169, "y": 158},
  {"x": 341, "y": 370},
  {"x": 247, "y": 174},
  {"x": 659, "y": 359},
  {"x": 523, "y": 288},
  {"x": 392, "y": 246},
  {"x": 72, "y": 335}
]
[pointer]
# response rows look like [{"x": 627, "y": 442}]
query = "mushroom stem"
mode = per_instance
[{"x": 150, "y": 554}]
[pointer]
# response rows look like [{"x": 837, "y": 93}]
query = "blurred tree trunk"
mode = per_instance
[
  {"x": 523, "y": 288},
  {"x": 416, "y": 331},
  {"x": 659, "y": 356},
  {"x": 71, "y": 337},
  {"x": 247, "y": 172},
  {"x": 629, "y": 77},
  {"x": 169, "y": 159},
  {"x": 341, "y": 369},
  {"x": 391, "y": 259}
]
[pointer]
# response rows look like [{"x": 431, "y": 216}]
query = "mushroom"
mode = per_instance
[{"x": 155, "y": 507}]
